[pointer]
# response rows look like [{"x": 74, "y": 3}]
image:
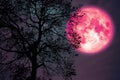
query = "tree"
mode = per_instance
[{"x": 32, "y": 36}]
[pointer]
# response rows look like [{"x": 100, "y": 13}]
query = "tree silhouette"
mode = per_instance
[{"x": 32, "y": 36}]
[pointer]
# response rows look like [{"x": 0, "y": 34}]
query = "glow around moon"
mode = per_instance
[{"x": 90, "y": 30}]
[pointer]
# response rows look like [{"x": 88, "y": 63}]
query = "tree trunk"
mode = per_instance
[
  {"x": 33, "y": 73},
  {"x": 34, "y": 67}
]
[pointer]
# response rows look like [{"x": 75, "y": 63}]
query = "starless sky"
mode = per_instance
[{"x": 106, "y": 65}]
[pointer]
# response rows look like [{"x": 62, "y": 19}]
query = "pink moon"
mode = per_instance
[{"x": 90, "y": 30}]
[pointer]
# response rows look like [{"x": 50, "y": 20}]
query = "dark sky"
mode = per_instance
[{"x": 105, "y": 65}]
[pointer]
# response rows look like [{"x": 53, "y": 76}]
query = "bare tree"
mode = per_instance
[{"x": 32, "y": 36}]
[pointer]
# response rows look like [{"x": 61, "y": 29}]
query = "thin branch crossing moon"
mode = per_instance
[{"x": 90, "y": 30}]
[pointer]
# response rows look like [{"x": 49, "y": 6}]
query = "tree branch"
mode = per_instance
[{"x": 8, "y": 50}]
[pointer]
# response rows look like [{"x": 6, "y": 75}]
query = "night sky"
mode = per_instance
[{"x": 106, "y": 64}]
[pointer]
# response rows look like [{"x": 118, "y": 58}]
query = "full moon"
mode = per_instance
[{"x": 90, "y": 30}]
